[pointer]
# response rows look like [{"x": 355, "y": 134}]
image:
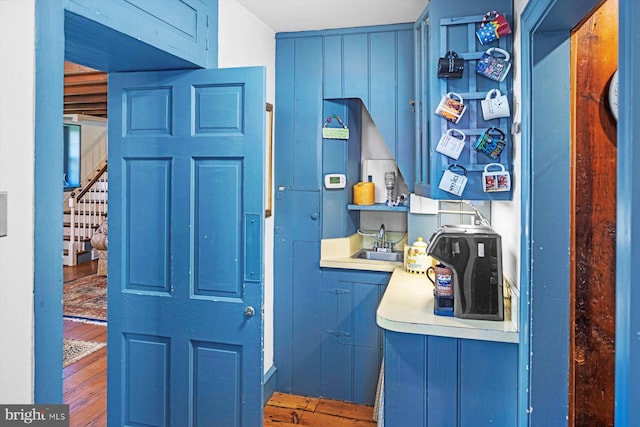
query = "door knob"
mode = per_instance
[
  {"x": 249, "y": 311},
  {"x": 314, "y": 216}
]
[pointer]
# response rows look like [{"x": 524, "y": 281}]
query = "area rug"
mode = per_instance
[
  {"x": 86, "y": 298},
  {"x": 75, "y": 350}
]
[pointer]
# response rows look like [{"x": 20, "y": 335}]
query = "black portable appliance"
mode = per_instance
[{"x": 474, "y": 254}]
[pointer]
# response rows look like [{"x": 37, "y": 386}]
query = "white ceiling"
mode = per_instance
[{"x": 303, "y": 15}]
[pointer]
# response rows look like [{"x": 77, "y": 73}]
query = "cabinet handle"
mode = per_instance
[
  {"x": 314, "y": 216},
  {"x": 249, "y": 311}
]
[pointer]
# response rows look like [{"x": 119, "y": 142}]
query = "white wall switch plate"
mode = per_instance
[{"x": 3, "y": 213}]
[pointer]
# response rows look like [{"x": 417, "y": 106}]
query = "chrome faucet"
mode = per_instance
[{"x": 382, "y": 239}]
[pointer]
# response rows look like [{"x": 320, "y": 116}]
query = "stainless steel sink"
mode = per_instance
[{"x": 379, "y": 256}]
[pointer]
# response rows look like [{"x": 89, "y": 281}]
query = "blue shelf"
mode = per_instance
[{"x": 377, "y": 207}]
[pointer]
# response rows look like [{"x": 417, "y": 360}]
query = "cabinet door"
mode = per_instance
[
  {"x": 488, "y": 383},
  {"x": 351, "y": 343},
  {"x": 443, "y": 381},
  {"x": 458, "y": 33},
  {"x": 297, "y": 292},
  {"x": 298, "y": 151},
  {"x": 420, "y": 103}
]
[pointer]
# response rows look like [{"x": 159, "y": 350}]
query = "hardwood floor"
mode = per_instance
[
  {"x": 85, "y": 386},
  {"x": 80, "y": 270},
  {"x": 85, "y": 381},
  {"x": 284, "y": 410}
]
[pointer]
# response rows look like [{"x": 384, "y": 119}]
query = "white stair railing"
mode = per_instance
[{"x": 87, "y": 210}]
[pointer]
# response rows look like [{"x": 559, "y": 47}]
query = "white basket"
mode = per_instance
[{"x": 335, "y": 133}]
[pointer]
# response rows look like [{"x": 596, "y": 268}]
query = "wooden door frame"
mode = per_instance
[
  {"x": 541, "y": 393},
  {"x": 545, "y": 265},
  {"x": 628, "y": 224},
  {"x": 591, "y": 251}
]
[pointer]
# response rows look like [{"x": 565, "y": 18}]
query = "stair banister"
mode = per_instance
[{"x": 89, "y": 217}]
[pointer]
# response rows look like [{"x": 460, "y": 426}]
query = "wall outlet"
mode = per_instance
[{"x": 3, "y": 213}]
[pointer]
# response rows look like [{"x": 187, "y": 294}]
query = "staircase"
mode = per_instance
[{"x": 85, "y": 209}]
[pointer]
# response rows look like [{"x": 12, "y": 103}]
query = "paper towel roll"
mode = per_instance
[{"x": 364, "y": 193}]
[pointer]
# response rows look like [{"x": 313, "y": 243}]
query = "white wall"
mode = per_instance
[
  {"x": 93, "y": 145},
  {"x": 244, "y": 40},
  {"x": 17, "y": 79},
  {"x": 375, "y": 147},
  {"x": 505, "y": 216}
]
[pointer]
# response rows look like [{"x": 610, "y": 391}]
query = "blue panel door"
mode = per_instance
[
  {"x": 186, "y": 152},
  {"x": 297, "y": 294}
]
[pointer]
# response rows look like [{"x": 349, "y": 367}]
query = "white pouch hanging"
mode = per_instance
[
  {"x": 496, "y": 180},
  {"x": 451, "y": 145},
  {"x": 452, "y": 182},
  {"x": 495, "y": 105}
]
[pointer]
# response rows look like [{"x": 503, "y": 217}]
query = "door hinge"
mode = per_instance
[
  {"x": 343, "y": 337},
  {"x": 339, "y": 334},
  {"x": 206, "y": 40},
  {"x": 339, "y": 291}
]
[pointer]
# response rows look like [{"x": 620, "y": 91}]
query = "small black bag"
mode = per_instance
[{"x": 450, "y": 66}]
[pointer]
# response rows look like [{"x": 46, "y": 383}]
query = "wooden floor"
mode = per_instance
[
  {"x": 284, "y": 410},
  {"x": 85, "y": 386},
  {"x": 85, "y": 381}
]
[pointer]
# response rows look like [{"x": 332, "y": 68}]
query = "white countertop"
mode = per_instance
[{"x": 407, "y": 306}]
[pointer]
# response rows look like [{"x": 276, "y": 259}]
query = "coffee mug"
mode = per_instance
[
  {"x": 495, "y": 105},
  {"x": 494, "y": 25},
  {"x": 451, "y": 145},
  {"x": 442, "y": 280},
  {"x": 451, "y": 107},
  {"x": 494, "y": 64},
  {"x": 491, "y": 142},
  {"x": 496, "y": 180},
  {"x": 452, "y": 182}
]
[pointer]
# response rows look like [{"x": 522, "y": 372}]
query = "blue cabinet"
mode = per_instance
[
  {"x": 370, "y": 64},
  {"x": 322, "y": 318},
  {"x": 180, "y": 33},
  {"x": 299, "y": 79},
  {"x": 437, "y": 32},
  {"x": 351, "y": 342},
  {"x": 375, "y": 65},
  {"x": 297, "y": 291},
  {"x": 441, "y": 381},
  {"x": 298, "y": 164},
  {"x": 327, "y": 340}
]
